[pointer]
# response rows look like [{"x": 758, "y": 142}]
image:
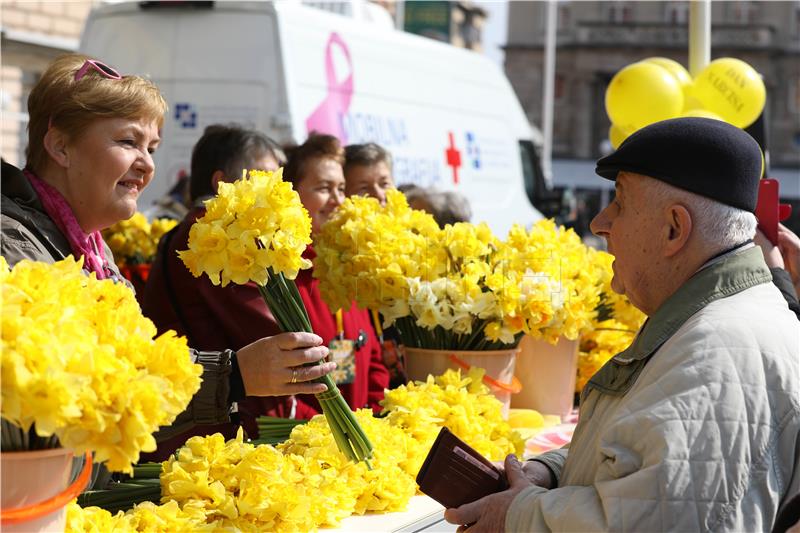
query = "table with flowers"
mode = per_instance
[
  {"x": 425, "y": 514},
  {"x": 342, "y": 470}
]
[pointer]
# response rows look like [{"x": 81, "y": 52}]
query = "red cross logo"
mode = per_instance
[{"x": 453, "y": 155}]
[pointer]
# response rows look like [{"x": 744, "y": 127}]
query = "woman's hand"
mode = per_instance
[
  {"x": 273, "y": 366},
  {"x": 789, "y": 245},
  {"x": 772, "y": 255}
]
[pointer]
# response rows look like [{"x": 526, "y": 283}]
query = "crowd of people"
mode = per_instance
[{"x": 696, "y": 426}]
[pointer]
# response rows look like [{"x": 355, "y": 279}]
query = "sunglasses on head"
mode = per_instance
[{"x": 97, "y": 66}]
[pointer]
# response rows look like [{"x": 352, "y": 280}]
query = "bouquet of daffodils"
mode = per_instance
[
  {"x": 256, "y": 230},
  {"x": 459, "y": 287},
  {"x": 305, "y": 483},
  {"x": 612, "y": 329},
  {"x": 81, "y": 367},
  {"x": 135, "y": 241}
]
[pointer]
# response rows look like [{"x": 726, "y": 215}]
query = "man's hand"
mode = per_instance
[
  {"x": 489, "y": 513},
  {"x": 535, "y": 472},
  {"x": 273, "y": 366}
]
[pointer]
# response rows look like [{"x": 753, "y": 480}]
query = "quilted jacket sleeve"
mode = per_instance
[
  {"x": 554, "y": 460},
  {"x": 625, "y": 494}
]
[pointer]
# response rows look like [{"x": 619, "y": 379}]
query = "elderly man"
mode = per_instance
[{"x": 696, "y": 426}]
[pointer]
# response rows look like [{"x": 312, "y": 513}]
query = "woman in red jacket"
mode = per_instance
[{"x": 315, "y": 170}]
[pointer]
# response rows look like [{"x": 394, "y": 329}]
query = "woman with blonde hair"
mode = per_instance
[{"x": 91, "y": 136}]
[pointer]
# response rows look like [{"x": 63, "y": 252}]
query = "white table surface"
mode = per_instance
[{"x": 423, "y": 514}]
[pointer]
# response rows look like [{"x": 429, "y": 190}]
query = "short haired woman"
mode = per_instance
[
  {"x": 92, "y": 133},
  {"x": 368, "y": 171}
]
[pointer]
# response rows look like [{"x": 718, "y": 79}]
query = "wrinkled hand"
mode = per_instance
[
  {"x": 535, "y": 472},
  {"x": 269, "y": 365},
  {"x": 789, "y": 245},
  {"x": 772, "y": 255},
  {"x": 489, "y": 513}
]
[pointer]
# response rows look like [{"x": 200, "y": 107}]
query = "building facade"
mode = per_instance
[
  {"x": 33, "y": 34},
  {"x": 459, "y": 23},
  {"x": 596, "y": 39}
]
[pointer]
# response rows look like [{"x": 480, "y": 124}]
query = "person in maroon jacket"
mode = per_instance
[
  {"x": 315, "y": 170},
  {"x": 212, "y": 316}
]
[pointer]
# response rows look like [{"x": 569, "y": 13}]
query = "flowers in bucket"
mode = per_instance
[
  {"x": 459, "y": 287},
  {"x": 135, "y": 241},
  {"x": 613, "y": 328},
  {"x": 82, "y": 368},
  {"x": 256, "y": 229}
]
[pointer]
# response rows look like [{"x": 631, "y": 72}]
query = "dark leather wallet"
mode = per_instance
[{"x": 454, "y": 474}]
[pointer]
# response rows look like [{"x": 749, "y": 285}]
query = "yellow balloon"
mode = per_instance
[
  {"x": 732, "y": 89},
  {"x": 616, "y": 135},
  {"x": 642, "y": 93},
  {"x": 676, "y": 69},
  {"x": 702, "y": 113}
]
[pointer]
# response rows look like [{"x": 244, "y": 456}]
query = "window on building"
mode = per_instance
[
  {"x": 564, "y": 14},
  {"x": 677, "y": 13},
  {"x": 742, "y": 12},
  {"x": 794, "y": 96},
  {"x": 559, "y": 87},
  {"x": 796, "y": 21},
  {"x": 619, "y": 12}
]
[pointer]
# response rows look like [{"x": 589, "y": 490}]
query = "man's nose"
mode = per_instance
[{"x": 600, "y": 224}]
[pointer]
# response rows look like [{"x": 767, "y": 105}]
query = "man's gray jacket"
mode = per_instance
[{"x": 695, "y": 427}]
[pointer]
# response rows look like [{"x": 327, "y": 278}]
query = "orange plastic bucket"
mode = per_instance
[
  {"x": 499, "y": 366},
  {"x": 34, "y": 496}
]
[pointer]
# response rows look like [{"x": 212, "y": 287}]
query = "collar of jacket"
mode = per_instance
[
  {"x": 16, "y": 187},
  {"x": 725, "y": 276},
  {"x": 21, "y": 203}
]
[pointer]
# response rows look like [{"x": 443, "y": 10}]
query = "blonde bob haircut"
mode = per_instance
[{"x": 58, "y": 100}]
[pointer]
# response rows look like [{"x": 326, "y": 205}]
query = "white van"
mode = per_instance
[{"x": 449, "y": 116}]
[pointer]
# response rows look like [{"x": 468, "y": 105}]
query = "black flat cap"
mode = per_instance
[{"x": 701, "y": 155}]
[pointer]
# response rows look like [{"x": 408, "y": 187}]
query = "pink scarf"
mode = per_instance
[{"x": 90, "y": 246}]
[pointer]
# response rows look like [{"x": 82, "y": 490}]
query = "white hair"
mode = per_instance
[{"x": 721, "y": 226}]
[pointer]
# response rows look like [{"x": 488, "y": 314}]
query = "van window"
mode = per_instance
[{"x": 547, "y": 201}]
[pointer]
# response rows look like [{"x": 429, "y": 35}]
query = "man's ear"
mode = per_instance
[
  {"x": 678, "y": 229},
  {"x": 55, "y": 144},
  {"x": 217, "y": 177}
]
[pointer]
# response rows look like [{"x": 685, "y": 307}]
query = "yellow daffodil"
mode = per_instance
[
  {"x": 81, "y": 362},
  {"x": 253, "y": 224},
  {"x": 135, "y": 241}
]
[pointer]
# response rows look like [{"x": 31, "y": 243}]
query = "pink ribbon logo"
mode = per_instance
[{"x": 327, "y": 117}]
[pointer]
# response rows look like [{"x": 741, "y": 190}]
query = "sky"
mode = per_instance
[{"x": 496, "y": 28}]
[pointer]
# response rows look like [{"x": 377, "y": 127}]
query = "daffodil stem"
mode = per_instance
[{"x": 286, "y": 304}]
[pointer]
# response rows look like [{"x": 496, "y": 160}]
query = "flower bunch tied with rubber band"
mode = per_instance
[
  {"x": 82, "y": 368},
  {"x": 256, "y": 230}
]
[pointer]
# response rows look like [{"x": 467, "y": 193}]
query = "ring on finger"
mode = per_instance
[{"x": 294, "y": 375}]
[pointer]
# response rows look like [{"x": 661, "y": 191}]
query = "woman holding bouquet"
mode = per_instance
[
  {"x": 315, "y": 170},
  {"x": 92, "y": 133}
]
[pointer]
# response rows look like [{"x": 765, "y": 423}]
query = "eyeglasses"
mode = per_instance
[{"x": 102, "y": 68}]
